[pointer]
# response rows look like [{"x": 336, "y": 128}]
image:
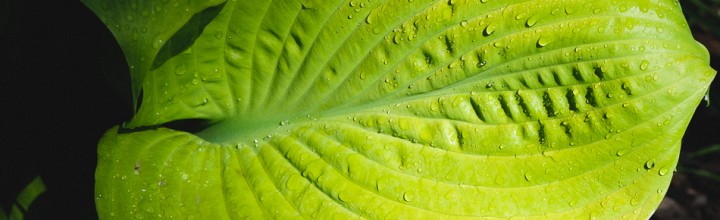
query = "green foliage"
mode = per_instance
[
  {"x": 708, "y": 151},
  {"x": 25, "y": 198},
  {"x": 703, "y": 13},
  {"x": 399, "y": 109}
]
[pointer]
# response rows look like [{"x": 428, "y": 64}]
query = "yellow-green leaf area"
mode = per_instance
[{"x": 401, "y": 109}]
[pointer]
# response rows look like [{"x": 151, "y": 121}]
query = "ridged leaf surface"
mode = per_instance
[{"x": 400, "y": 109}]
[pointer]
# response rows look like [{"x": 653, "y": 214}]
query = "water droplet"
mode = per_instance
[
  {"x": 625, "y": 105},
  {"x": 644, "y": 64},
  {"x": 597, "y": 10},
  {"x": 649, "y": 164},
  {"x": 464, "y": 23},
  {"x": 569, "y": 10},
  {"x": 634, "y": 201},
  {"x": 481, "y": 64},
  {"x": 621, "y": 152},
  {"x": 180, "y": 69},
  {"x": 528, "y": 177},
  {"x": 158, "y": 43},
  {"x": 531, "y": 21},
  {"x": 543, "y": 41},
  {"x": 490, "y": 29},
  {"x": 344, "y": 196},
  {"x": 572, "y": 202},
  {"x": 368, "y": 19},
  {"x": 407, "y": 197},
  {"x": 663, "y": 171},
  {"x": 404, "y": 124},
  {"x": 137, "y": 168},
  {"x": 434, "y": 107}
]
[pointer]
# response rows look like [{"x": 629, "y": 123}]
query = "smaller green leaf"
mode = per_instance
[
  {"x": 31, "y": 191},
  {"x": 25, "y": 198},
  {"x": 702, "y": 173},
  {"x": 3, "y": 216},
  {"x": 715, "y": 148},
  {"x": 15, "y": 213}
]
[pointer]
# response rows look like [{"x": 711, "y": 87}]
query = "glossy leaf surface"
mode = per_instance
[{"x": 400, "y": 109}]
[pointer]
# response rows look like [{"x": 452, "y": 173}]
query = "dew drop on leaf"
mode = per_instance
[
  {"x": 572, "y": 203},
  {"x": 407, "y": 197},
  {"x": 489, "y": 30},
  {"x": 180, "y": 69},
  {"x": 543, "y": 41},
  {"x": 344, "y": 196},
  {"x": 157, "y": 43},
  {"x": 634, "y": 201},
  {"x": 649, "y": 164},
  {"x": 528, "y": 177},
  {"x": 531, "y": 21},
  {"x": 644, "y": 64},
  {"x": 569, "y": 10}
]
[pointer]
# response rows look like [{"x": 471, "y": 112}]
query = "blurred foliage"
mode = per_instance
[
  {"x": 24, "y": 199},
  {"x": 703, "y": 14}
]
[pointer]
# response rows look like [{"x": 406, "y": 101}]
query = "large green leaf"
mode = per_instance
[{"x": 400, "y": 109}]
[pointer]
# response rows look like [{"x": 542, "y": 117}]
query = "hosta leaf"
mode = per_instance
[{"x": 401, "y": 109}]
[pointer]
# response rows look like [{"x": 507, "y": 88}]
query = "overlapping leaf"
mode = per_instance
[{"x": 401, "y": 109}]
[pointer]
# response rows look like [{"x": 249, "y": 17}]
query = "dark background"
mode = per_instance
[{"x": 64, "y": 82}]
